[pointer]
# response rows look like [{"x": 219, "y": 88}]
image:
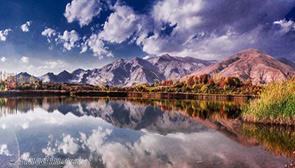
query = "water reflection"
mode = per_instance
[
  {"x": 279, "y": 140},
  {"x": 121, "y": 133}
]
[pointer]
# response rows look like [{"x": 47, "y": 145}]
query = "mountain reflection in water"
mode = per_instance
[{"x": 136, "y": 133}]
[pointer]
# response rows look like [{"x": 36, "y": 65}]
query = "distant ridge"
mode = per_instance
[
  {"x": 250, "y": 64},
  {"x": 128, "y": 72}
]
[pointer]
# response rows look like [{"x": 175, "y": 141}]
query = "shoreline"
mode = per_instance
[
  {"x": 267, "y": 121},
  {"x": 33, "y": 93},
  {"x": 144, "y": 95},
  {"x": 149, "y": 95}
]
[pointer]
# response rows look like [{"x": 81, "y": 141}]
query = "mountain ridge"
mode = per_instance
[
  {"x": 124, "y": 72},
  {"x": 250, "y": 64}
]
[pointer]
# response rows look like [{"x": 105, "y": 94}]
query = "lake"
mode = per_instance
[{"x": 104, "y": 132}]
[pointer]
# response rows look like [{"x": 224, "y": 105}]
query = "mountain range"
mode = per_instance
[
  {"x": 250, "y": 64},
  {"x": 128, "y": 72}
]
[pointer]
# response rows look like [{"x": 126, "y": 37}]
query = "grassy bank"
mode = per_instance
[{"x": 276, "y": 105}]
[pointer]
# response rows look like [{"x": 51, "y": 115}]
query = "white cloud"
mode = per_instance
[
  {"x": 4, "y": 34},
  {"x": 3, "y": 59},
  {"x": 68, "y": 145},
  {"x": 82, "y": 11},
  {"x": 182, "y": 27},
  {"x": 183, "y": 16},
  {"x": 49, "y": 33},
  {"x": 97, "y": 46},
  {"x": 123, "y": 23},
  {"x": 183, "y": 13},
  {"x": 69, "y": 39},
  {"x": 285, "y": 25},
  {"x": 96, "y": 139},
  {"x": 4, "y": 150},
  {"x": 24, "y": 59},
  {"x": 209, "y": 47},
  {"x": 188, "y": 33},
  {"x": 120, "y": 25},
  {"x": 26, "y": 26}
]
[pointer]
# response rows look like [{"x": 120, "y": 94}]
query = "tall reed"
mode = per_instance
[{"x": 275, "y": 105}]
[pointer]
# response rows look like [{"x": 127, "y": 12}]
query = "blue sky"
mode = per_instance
[{"x": 53, "y": 35}]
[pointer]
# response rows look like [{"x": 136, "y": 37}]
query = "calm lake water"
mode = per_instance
[{"x": 92, "y": 132}]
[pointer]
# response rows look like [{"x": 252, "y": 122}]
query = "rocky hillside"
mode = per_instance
[
  {"x": 252, "y": 65},
  {"x": 128, "y": 72},
  {"x": 176, "y": 67},
  {"x": 24, "y": 77}
]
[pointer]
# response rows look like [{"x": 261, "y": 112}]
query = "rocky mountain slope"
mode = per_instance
[
  {"x": 24, "y": 77},
  {"x": 252, "y": 65},
  {"x": 176, "y": 67},
  {"x": 128, "y": 72}
]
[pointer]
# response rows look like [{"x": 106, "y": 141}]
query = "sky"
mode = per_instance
[{"x": 55, "y": 35}]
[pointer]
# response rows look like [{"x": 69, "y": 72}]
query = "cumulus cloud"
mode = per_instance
[
  {"x": 197, "y": 28},
  {"x": 285, "y": 25},
  {"x": 3, "y": 59},
  {"x": 68, "y": 146},
  {"x": 49, "y": 33},
  {"x": 82, "y": 11},
  {"x": 184, "y": 14},
  {"x": 120, "y": 25},
  {"x": 4, "y": 34},
  {"x": 24, "y": 59},
  {"x": 26, "y": 26},
  {"x": 69, "y": 39},
  {"x": 201, "y": 28},
  {"x": 96, "y": 45},
  {"x": 211, "y": 30}
]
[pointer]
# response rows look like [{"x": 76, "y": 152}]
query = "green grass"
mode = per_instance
[{"x": 275, "y": 105}]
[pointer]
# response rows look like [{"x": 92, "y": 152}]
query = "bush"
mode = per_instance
[
  {"x": 204, "y": 88},
  {"x": 276, "y": 102}
]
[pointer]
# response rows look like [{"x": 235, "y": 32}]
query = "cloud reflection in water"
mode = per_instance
[{"x": 124, "y": 140}]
